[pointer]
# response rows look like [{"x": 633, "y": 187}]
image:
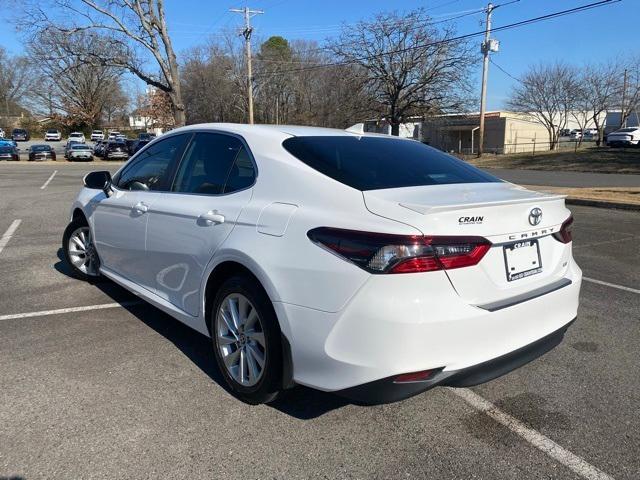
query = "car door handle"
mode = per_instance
[
  {"x": 211, "y": 218},
  {"x": 141, "y": 207}
]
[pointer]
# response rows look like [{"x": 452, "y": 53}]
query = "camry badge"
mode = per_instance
[{"x": 535, "y": 216}]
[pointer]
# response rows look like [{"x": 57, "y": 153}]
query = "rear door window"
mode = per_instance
[
  {"x": 371, "y": 163},
  {"x": 213, "y": 164}
]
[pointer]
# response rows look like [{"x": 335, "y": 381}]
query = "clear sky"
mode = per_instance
[{"x": 595, "y": 35}]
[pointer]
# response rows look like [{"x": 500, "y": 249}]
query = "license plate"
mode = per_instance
[{"x": 522, "y": 259}]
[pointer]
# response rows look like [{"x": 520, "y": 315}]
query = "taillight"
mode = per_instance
[
  {"x": 386, "y": 253},
  {"x": 565, "y": 234}
]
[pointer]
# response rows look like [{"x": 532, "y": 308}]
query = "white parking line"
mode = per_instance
[
  {"x": 612, "y": 285},
  {"x": 44, "y": 313},
  {"x": 48, "y": 180},
  {"x": 535, "y": 438},
  {"x": 7, "y": 235}
]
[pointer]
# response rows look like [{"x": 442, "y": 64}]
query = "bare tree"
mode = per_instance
[
  {"x": 599, "y": 90},
  {"x": 15, "y": 80},
  {"x": 209, "y": 85},
  {"x": 629, "y": 91},
  {"x": 412, "y": 66},
  {"x": 546, "y": 93},
  {"x": 116, "y": 104},
  {"x": 80, "y": 90},
  {"x": 136, "y": 31}
]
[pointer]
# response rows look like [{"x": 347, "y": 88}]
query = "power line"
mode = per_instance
[
  {"x": 521, "y": 23},
  {"x": 504, "y": 71},
  {"x": 429, "y": 23}
]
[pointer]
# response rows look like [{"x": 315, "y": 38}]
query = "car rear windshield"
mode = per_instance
[
  {"x": 80, "y": 147},
  {"x": 372, "y": 163},
  {"x": 5, "y": 149},
  {"x": 41, "y": 148}
]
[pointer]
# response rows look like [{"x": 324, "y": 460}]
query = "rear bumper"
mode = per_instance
[
  {"x": 387, "y": 391},
  {"x": 400, "y": 324}
]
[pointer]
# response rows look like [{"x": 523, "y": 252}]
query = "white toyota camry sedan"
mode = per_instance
[{"x": 366, "y": 265}]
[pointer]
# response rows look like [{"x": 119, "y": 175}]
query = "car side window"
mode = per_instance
[
  {"x": 206, "y": 164},
  {"x": 152, "y": 169},
  {"x": 242, "y": 173}
]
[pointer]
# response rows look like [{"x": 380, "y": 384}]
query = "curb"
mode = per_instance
[{"x": 602, "y": 204}]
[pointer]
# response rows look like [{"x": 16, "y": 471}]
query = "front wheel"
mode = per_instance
[
  {"x": 246, "y": 340},
  {"x": 79, "y": 251}
]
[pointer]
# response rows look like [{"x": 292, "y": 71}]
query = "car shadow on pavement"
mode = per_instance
[{"x": 300, "y": 402}]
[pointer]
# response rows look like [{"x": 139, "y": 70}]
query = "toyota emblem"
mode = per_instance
[{"x": 535, "y": 216}]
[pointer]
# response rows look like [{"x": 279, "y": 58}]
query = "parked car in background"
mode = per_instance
[
  {"x": 138, "y": 144},
  {"x": 1, "y": 133},
  {"x": 145, "y": 136},
  {"x": 113, "y": 135},
  {"x": 68, "y": 147},
  {"x": 52, "y": 135},
  {"x": 115, "y": 150},
  {"x": 20, "y": 135},
  {"x": 625, "y": 137},
  {"x": 77, "y": 137},
  {"x": 41, "y": 152},
  {"x": 130, "y": 145},
  {"x": 575, "y": 134},
  {"x": 97, "y": 135},
  {"x": 590, "y": 133},
  {"x": 98, "y": 147},
  {"x": 80, "y": 153},
  {"x": 9, "y": 152}
]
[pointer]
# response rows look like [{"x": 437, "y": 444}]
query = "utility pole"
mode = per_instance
[
  {"x": 624, "y": 99},
  {"x": 246, "y": 33},
  {"x": 486, "y": 48}
]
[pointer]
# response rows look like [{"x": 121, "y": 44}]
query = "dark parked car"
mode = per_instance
[
  {"x": 9, "y": 152},
  {"x": 145, "y": 136},
  {"x": 138, "y": 145},
  {"x": 116, "y": 150},
  {"x": 130, "y": 145},
  {"x": 98, "y": 146},
  {"x": 41, "y": 152},
  {"x": 20, "y": 135}
]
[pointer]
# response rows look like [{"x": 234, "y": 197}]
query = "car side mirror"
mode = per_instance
[{"x": 100, "y": 180}]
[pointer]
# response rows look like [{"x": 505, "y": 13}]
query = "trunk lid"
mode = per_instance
[{"x": 499, "y": 212}]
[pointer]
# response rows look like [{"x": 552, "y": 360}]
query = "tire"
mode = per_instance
[
  {"x": 88, "y": 272},
  {"x": 253, "y": 339}
]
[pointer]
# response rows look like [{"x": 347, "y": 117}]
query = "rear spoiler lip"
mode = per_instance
[{"x": 426, "y": 209}]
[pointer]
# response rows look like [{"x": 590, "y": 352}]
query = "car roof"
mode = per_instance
[{"x": 274, "y": 131}]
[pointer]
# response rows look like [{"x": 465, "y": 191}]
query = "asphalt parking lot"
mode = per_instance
[{"x": 112, "y": 391}]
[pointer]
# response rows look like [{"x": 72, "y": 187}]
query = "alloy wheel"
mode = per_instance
[
  {"x": 240, "y": 339},
  {"x": 82, "y": 254}
]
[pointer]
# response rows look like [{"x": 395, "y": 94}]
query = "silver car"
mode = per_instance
[{"x": 80, "y": 153}]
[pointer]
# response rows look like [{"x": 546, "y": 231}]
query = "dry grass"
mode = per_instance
[
  {"x": 630, "y": 195},
  {"x": 591, "y": 159}
]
